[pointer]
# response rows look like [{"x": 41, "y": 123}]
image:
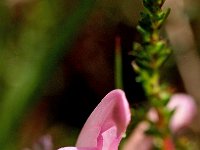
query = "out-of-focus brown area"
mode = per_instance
[
  {"x": 183, "y": 36},
  {"x": 86, "y": 73}
]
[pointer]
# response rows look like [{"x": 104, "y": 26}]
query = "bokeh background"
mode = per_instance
[{"x": 58, "y": 60}]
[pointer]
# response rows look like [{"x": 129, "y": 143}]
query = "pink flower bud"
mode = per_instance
[{"x": 185, "y": 111}]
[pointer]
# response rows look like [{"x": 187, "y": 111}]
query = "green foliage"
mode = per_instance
[
  {"x": 151, "y": 53},
  {"x": 29, "y": 53}
]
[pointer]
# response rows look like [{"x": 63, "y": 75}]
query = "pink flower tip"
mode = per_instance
[{"x": 106, "y": 125}]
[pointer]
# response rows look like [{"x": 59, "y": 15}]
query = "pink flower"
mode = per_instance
[
  {"x": 108, "y": 122},
  {"x": 185, "y": 111},
  {"x": 106, "y": 125}
]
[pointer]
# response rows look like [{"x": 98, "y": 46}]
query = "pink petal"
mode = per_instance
[
  {"x": 75, "y": 148},
  {"x": 185, "y": 111},
  {"x": 138, "y": 140},
  {"x": 107, "y": 123}
]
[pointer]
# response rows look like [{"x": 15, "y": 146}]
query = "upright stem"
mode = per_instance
[{"x": 150, "y": 55}]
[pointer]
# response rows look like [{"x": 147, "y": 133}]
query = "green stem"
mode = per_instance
[
  {"x": 118, "y": 64},
  {"x": 150, "y": 56}
]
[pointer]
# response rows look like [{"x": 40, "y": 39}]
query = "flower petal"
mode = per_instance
[
  {"x": 107, "y": 123},
  {"x": 138, "y": 140},
  {"x": 75, "y": 148},
  {"x": 185, "y": 111}
]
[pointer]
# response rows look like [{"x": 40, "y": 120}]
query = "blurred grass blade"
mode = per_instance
[{"x": 118, "y": 64}]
